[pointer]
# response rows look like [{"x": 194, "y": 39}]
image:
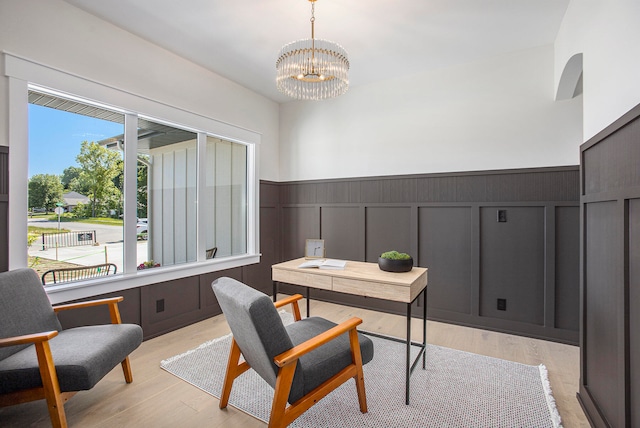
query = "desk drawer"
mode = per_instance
[
  {"x": 397, "y": 293},
  {"x": 302, "y": 278}
]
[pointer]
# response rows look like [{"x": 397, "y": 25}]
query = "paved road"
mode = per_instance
[
  {"x": 105, "y": 234},
  {"x": 108, "y": 248}
]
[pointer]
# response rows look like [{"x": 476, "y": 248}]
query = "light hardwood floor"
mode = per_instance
[{"x": 158, "y": 399}]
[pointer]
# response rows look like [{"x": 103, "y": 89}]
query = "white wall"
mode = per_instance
[
  {"x": 493, "y": 114},
  {"x": 607, "y": 32},
  {"x": 56, "y": 34}
]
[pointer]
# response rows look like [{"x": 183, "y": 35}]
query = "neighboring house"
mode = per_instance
[{"x": 72, "y": 199}]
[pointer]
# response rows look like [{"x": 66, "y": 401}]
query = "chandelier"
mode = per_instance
[{"x": 312, "y": 69}]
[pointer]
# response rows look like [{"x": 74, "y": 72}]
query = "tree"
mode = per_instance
[
  {"x": 68, "y": 176},
  {"x": 45, "y": 190},
  {"x": 143, "y": 171},
  {"x": 98, "y": 168}
]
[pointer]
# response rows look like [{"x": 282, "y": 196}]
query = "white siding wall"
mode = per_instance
[
  {"x": 172, "y": 213},
  {"x": 226, "y": 190}
]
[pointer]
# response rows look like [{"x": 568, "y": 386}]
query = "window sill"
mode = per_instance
[{"x": 95, "y": 287}]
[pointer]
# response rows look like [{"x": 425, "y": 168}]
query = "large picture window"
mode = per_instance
[{"x": 191, "y": 192}]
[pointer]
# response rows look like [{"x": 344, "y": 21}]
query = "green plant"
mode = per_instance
[
  {"x": 394, "y": 255},
  {"x": 148, "y": 265},
  {"x": 31, "y": 238}
]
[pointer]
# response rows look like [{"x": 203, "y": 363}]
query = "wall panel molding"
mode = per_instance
[
  {"x": 609, "y": 388},
  {"x": 420, "y": 214}
]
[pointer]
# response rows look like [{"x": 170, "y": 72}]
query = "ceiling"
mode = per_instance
[{"x": 385, "y": 39}]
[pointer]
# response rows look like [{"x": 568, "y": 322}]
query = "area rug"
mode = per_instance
[{"x": 457, "y": 389}]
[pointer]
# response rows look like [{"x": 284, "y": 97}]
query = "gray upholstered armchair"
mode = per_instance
[
  {"x": 303, "y": 361},
  {"x": 39, "y": 360}
]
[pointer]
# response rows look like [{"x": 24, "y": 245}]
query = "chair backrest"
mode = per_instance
[
  {"x": 24, "y": 307},
  {"x": 255, "y": 323},
  {"x": 211, "y": 252}
]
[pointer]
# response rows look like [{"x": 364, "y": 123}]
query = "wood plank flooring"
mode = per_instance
[{"x": 159, "y": 399}]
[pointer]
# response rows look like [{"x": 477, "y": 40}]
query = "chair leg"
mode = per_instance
[
  {"x": 281, "y": 396},
  {"x": 356, "y": 357},
  {"x": 233, "y": 371},
  {"x": 126, "y": 368},
  {"x": 55, "y": 402}
]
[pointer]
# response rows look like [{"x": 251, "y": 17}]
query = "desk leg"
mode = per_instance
[
  {"x": 408, "y": 351},
  {"x": 275, "y": 290},
  {"x": 424, "y": 328},
  {"x": 308, "y": 313}
]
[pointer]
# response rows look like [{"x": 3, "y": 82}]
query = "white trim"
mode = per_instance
[
  {"x": 130, "y": 195},
  {"x": 57, "y": 81},
  {"x": 19, "y": 162},
  {"x": 84, "y": 289},
  {"x": 201, "y": 158}
]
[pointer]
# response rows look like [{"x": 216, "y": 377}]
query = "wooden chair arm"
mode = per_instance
[
  {"x": 296, "y": 352},
  {"x": 293, "y": 300},
  {"x": 282, "y": 302},
  {"x": 28, "y": 338},
  {"x": 111, "y": 301},
  {"x": 88, "y": 303}
]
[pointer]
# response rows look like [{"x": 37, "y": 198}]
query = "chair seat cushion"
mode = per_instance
[
  {"x": 324, "y": 362},
  {"x": 82, "y": 356}
]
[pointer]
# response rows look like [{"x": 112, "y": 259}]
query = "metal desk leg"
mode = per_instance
[
  {"x": 275, "y": 290},
  {"x": 408, "y": 351},
  {"x": 308, "y": 313},
  {"x": 424, "y": 327}
]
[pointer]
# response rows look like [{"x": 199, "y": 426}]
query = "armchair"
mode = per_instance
[
  {"x": 303, "y": 361},
  {"x": 39, "y": 360}
]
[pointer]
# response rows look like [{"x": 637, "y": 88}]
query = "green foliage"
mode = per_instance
[
  {"x": 104, "y": 220},
  {"x": 83, "y": 210},
  {"x": 45, "y": 190},
  {"x": 99, "y": 167},
  {"x": 143, "y": 171},
  {"x": 31, "y": 238},
  {"x": 394, "y": 255},
  {"x": 69, "y": 177}
]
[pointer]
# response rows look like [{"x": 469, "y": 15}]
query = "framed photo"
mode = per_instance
[{"x": 314, "y": 249}]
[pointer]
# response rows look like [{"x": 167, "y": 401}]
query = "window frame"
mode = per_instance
[{"x": 23, "y": 75}]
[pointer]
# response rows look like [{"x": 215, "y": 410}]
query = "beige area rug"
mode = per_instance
[{"x": 457, "y": 389}]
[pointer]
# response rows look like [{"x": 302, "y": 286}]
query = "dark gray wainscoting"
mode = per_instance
[
  {"x": 450, "y": 224},
  {"x": 166, "y": 306},
  {"x": 610, "y": 283}
]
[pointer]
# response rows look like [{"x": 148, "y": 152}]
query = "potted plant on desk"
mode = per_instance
[{"x": 393, "y": 261}]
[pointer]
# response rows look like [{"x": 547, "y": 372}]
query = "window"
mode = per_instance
[
  {"x": 215, "y": 228},
  {"x": 191, "y": 194}
]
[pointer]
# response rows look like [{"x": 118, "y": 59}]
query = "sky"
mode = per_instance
[{"x": 55, "y": 137}]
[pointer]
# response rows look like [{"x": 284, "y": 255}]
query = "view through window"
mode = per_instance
[{"x": 77, "y": 187}]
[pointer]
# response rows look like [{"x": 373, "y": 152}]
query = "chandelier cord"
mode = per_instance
[{"x": 313, "y": 38}]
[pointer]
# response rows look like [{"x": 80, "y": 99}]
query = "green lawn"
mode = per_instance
[
  {"x": 37, "y": 230},
  {"x": 92, "y": 220}
]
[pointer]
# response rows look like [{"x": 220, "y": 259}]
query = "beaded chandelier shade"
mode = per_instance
[{"x": 312, "y": 69}]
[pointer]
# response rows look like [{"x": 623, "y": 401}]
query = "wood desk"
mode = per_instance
[{"x": 364, "y": 279}]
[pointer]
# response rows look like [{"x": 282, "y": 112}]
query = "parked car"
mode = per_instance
[{"x": 142, "y": 228}]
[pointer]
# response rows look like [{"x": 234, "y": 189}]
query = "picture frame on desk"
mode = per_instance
[{"x": 314, "y": 249}]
